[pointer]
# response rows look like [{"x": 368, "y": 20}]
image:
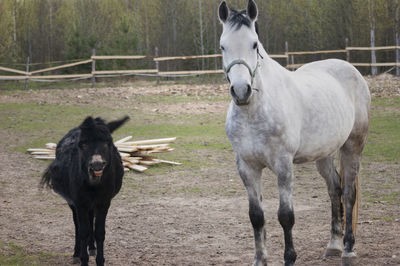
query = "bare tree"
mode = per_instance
[
  {"x": 397, "y": 37},
  {"x": 201, "y": 34},
  {"x": 371, "y": 7}
]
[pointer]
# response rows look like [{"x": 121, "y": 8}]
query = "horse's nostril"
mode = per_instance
[
  {"x": 97, "y": 166},
  {"x": 248, "y": 92},
  {"x": 233, "y": 92}
]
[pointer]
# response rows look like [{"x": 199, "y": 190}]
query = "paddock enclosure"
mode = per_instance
[{"x": 195, "y": 213}]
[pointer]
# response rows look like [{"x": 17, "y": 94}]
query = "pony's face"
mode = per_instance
[
  {"x": 95, "y": 156},
  {"x": 96, "y": 147},
  {"x": 239, "y": 47}
]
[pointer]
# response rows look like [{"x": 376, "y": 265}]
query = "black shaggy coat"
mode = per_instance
[{"x": 87, "y": 173}]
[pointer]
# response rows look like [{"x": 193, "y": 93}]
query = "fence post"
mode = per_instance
[
  {"x": 347, "y": 51},
  {"x": 93, "y": 68},
  {"x": 286, "y": 52},
  {"x": 27, "y": 70},
  {"x": 373, "y": 57},
  {"x": 155, "y": 56},
  {"x": 397, "y": 55}
]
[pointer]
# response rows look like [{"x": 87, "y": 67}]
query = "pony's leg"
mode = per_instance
[
  {"x": 251, "y": 177},
  {"x": 327, "y": 170},
  {"x": 100, "y": 231},
  {"x": 84, "y": 224},
  {"x": 283, "y": 168},
  {"x": 75, "y": 257},
  {"x": 350, "y": 156},
  {"x": 92, "y": 248}
]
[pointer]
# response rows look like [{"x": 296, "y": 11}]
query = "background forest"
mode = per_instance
[{"x": 66, "y": 30}]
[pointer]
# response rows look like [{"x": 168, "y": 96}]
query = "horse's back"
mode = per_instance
[
  {"x": 345, "y": 74},
  {"x": 335, "y": 103}
]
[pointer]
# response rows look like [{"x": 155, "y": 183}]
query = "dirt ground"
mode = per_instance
[{"x": 206, "y": 228}]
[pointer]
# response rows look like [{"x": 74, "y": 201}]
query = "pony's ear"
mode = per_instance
[
  {"x": 116, "y": 124},
  {"x": 223, "y": 12},
  {"x": 252, "y": 10},
  {"x": 87, "y": 123}
]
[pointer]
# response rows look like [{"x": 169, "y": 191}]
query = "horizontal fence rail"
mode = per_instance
[{"x": 289, "y": 56}]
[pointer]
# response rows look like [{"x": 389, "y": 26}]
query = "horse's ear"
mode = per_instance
[
  {"x": 87, "y": 123},
  {"x": 252, "y": 10},
  {"x": 223, "y": 12},
  {"x": 116, "y": 124}
]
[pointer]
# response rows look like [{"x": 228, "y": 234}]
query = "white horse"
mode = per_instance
[{"x": 277, "y": 118}]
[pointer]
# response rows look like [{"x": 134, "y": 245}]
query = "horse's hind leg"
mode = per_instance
[
  {"x": 251, "y": 177},
  {"x": 350, "y": 156},
  {"x": 75, "y": 257},
  {"x": 327, "y": 170}
]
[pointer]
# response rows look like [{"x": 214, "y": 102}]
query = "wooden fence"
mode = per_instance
[{"x": 288, "y": 56}]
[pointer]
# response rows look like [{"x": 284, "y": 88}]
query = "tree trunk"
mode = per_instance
[
  {"x": 373, "y": 57},
  {"x": 397, "y": 38},
  {"x": 372, "y": 27},
  {"x": 50, "y": 31},
  {"x": 201, "y": 34},
  {"x": 14, "y": 21},
  {"x": 215, "y": 32}
]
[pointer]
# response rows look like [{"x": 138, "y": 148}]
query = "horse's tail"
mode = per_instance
[
  {"x": 356, "y": 203},
  {"x": 47, "y": 176}
]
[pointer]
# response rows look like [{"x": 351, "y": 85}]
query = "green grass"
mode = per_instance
[
  {"x": 387, "y": 102},
  {"x": 384, "y": 136},
  {"x": 12, "y": 254},
  {"x": 34, "y": 125},
  {"x": 392, "y": 198},
  {"x": 165, "y": 99}
]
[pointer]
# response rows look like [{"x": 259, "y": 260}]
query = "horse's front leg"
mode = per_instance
[
  {"x": 83, "y": 228},
  {"x": 100, "y": 231},
  {"x": 251, "y": 177},
  {"x": 283, "y": 168},
  {"x": 92, "y": 248}
]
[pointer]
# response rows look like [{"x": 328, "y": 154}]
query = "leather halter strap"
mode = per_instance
[{"x": 242, "y": 62}]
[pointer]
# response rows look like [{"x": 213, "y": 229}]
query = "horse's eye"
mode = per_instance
[
  {"x": 255, "y": 45},
  {"x": 222, "y": 48}
]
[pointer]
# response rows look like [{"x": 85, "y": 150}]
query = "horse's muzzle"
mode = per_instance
[
  {"x": 241, "y": 95},
  {"x": 96, "y": 168}
]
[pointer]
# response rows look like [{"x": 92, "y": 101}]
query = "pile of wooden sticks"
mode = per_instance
[{"x": 136, "y": 155}]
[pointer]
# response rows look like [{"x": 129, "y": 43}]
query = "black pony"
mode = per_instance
[{"x": 87, "y": 173}]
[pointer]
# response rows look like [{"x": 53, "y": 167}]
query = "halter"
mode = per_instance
[{"x": 242, "y": 62}]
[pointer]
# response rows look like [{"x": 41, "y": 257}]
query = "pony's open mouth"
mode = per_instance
[
  {"x": 98, "y": 173},
  {"x": 95, "y": 176}
]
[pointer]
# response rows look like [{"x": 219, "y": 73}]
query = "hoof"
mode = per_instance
[
  {"x": 334, "y": 248},
  {"x": 289, "y": 263},
  {"x": 349, "y": 258},
  {"x": 260, "y": 262},
  {"x": 92, "y": 252},
  {"x": 332, "y": 252},
  {"x": 76, "y": 260},
  {"x": 349, "y": 255}
]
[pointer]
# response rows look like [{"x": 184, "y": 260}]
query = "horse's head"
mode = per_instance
[
  {"x": 239, "y": 45},
  {"x": 96, "y": 146}
]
